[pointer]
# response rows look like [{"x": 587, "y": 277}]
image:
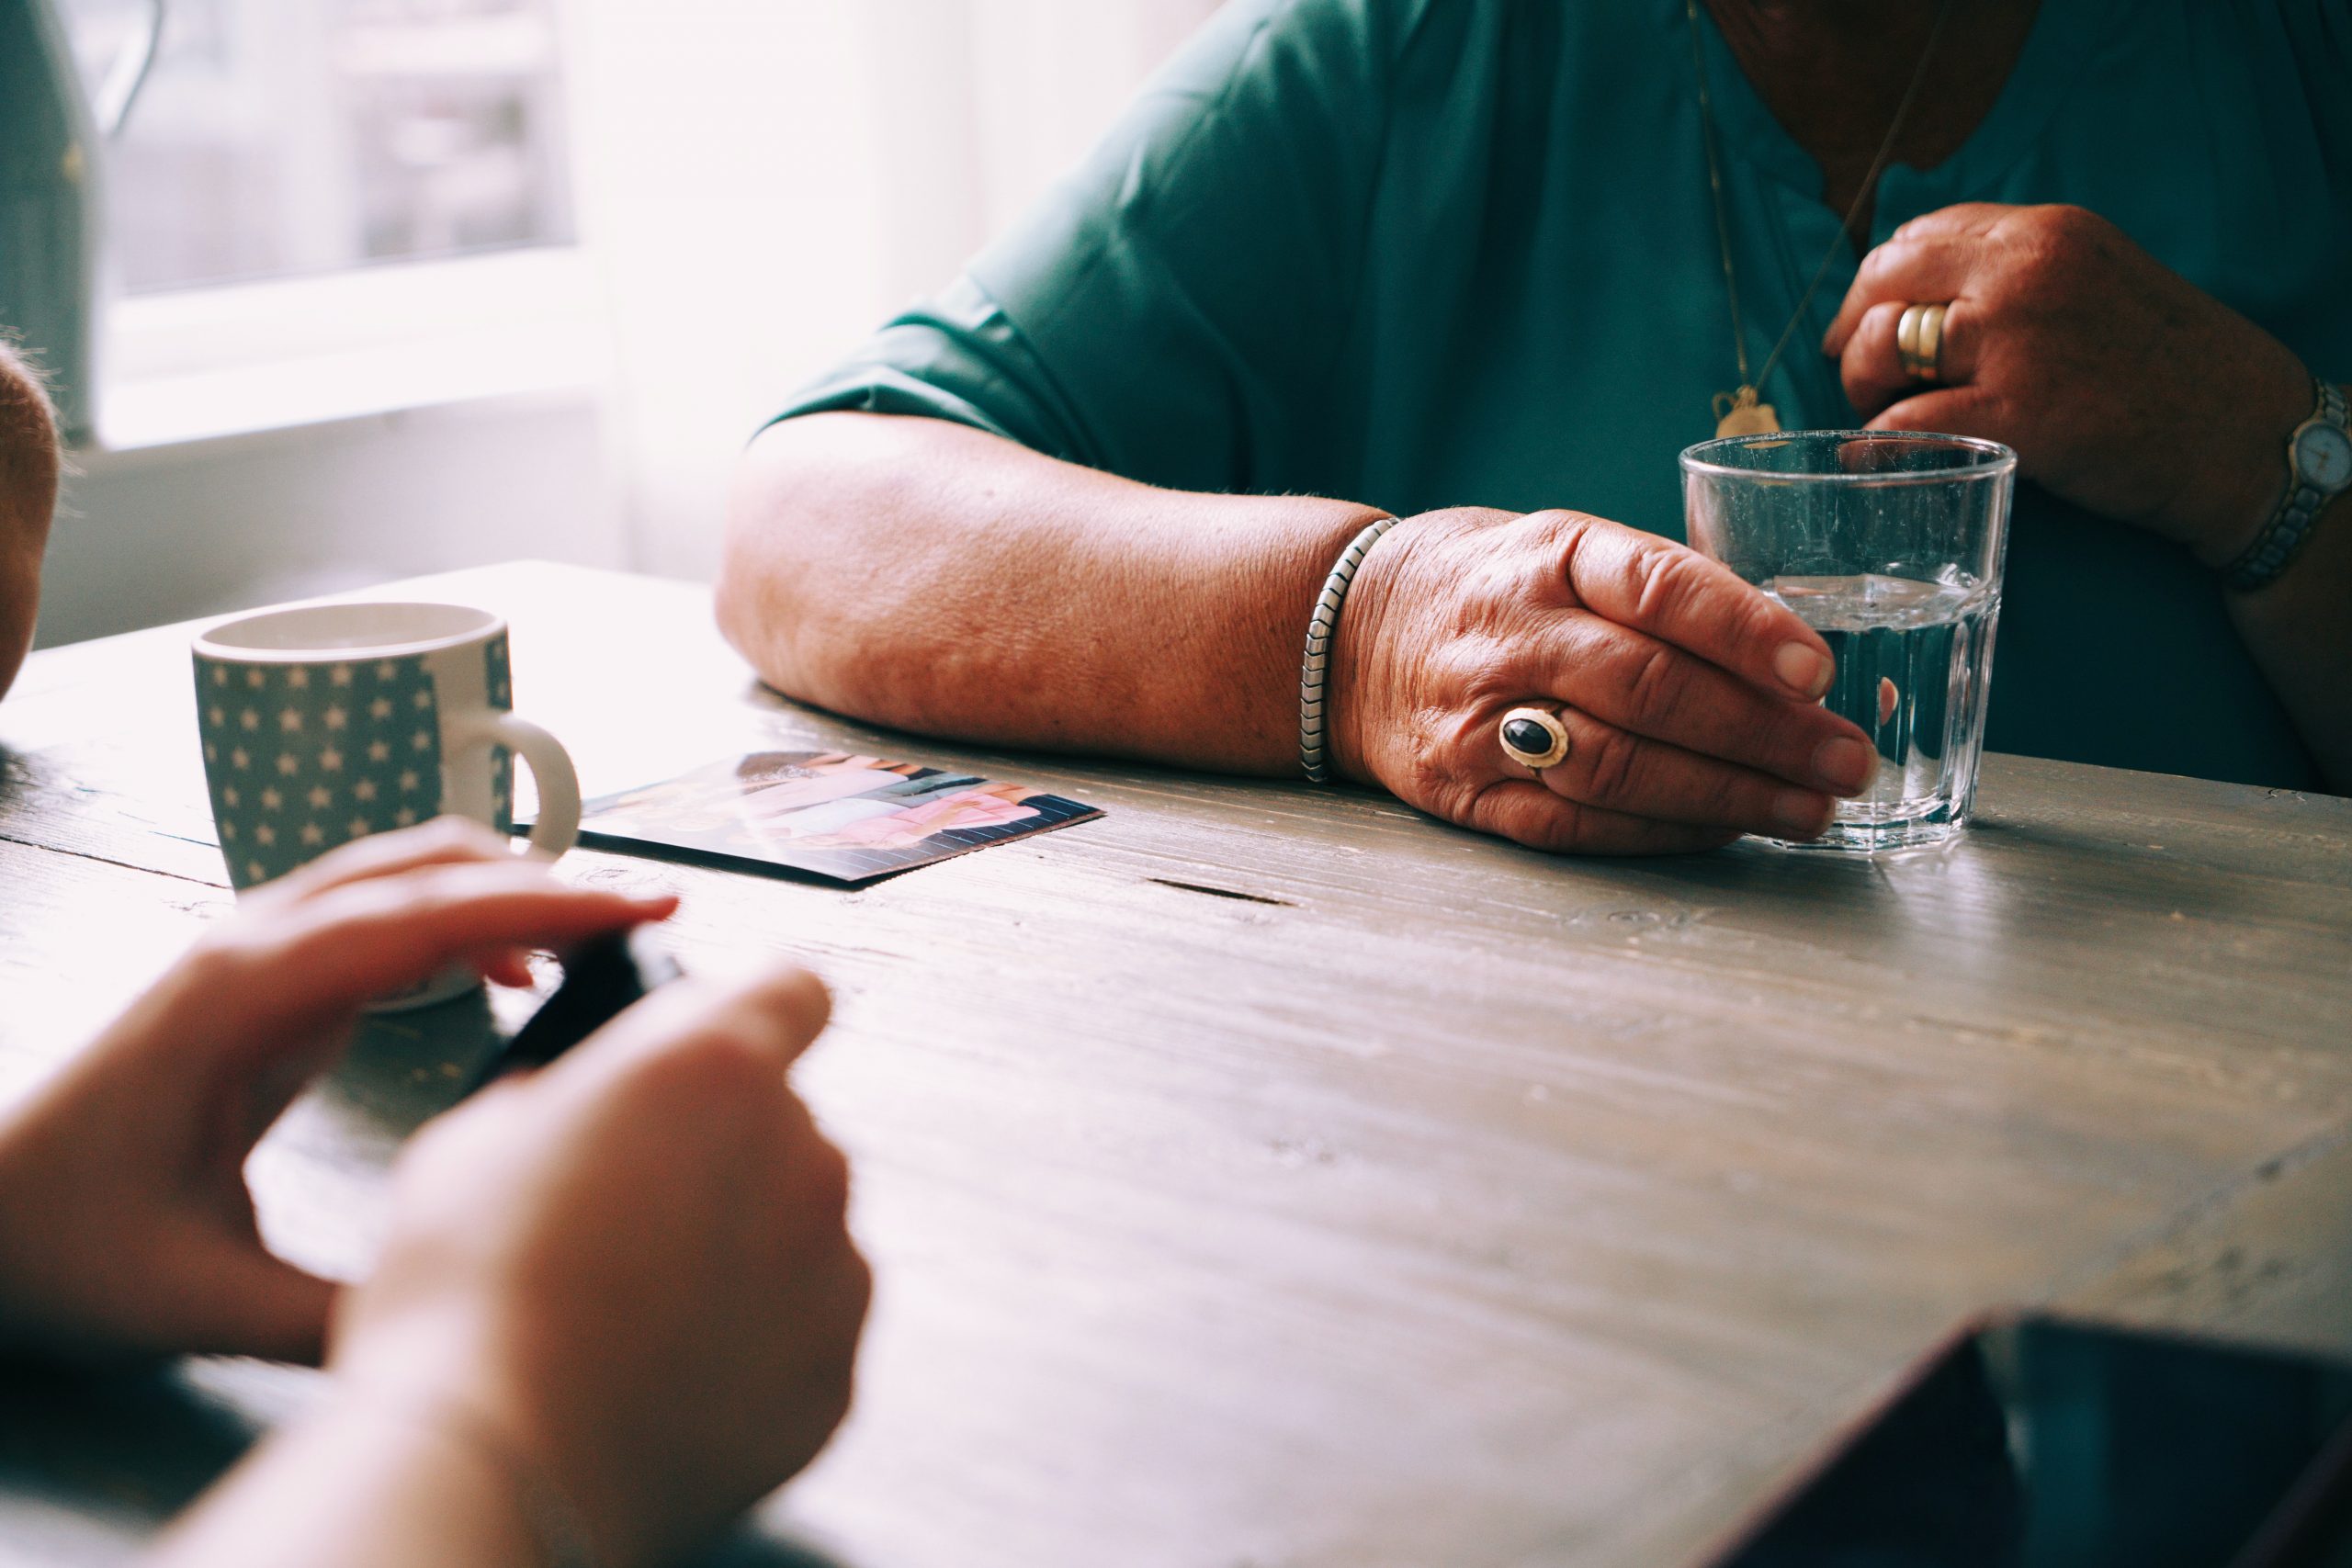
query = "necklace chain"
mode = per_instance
[{"x": 1749, "y": 384}]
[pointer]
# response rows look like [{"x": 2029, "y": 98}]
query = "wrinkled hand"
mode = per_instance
[
  {"x": 1688, "y": 696},
  {"x": 632, "y": 1267},
  {"x": 2123, "y": 387},
  {"x": 125, "y": 1226}
]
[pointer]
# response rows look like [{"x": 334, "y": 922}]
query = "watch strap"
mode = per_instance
[{"x": 2282, "y": 538}]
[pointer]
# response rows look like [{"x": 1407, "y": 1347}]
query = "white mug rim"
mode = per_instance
[{"x": 209, "y": 646}]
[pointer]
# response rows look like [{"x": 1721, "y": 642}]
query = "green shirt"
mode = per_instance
[{"x": 1434, "y": 253}]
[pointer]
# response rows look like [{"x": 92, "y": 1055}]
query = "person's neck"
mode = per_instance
[{"x": 1833, "y": 73}]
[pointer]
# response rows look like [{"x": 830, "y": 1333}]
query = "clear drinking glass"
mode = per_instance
[{"x": 1890, "y": 545}]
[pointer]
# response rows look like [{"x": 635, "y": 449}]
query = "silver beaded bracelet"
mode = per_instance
[{"x": 1321, "y": 627}]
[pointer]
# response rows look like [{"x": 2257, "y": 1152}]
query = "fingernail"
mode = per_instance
[
  {"x": 1803, "y": 668},
  {"x": 1845, "y": 765},
  {"x": 1801, "y": 814}
]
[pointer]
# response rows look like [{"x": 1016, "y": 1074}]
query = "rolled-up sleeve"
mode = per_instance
[{"x": 1173, "y": 310}]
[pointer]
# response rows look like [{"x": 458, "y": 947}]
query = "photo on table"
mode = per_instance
[{"x": 839, "y": 815}]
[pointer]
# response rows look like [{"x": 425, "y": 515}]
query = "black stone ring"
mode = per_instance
[{"x": 1534, "y": 737}]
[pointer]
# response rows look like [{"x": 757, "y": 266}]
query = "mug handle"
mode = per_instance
[{"x": 558, "y": 828}]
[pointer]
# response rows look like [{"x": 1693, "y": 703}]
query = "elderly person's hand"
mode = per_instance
[
  {"x": 28, "y": 465},
  {"x": 1690, "y": 698},
  {"x": 2123, "y": 388}
]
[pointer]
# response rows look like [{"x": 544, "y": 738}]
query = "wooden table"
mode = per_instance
[{"x": 1269, "y": 1176}]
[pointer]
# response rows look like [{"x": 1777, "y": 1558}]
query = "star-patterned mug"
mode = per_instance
[{"x": 325, "y": 723}]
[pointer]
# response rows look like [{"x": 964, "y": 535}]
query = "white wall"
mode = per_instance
[{"x": 767, "y": 180}]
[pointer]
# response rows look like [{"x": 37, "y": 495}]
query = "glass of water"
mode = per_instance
[{"x": 1890, "y": 545}]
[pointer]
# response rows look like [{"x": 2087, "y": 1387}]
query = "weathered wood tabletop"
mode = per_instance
[{"x": 1266, "y": 1175}]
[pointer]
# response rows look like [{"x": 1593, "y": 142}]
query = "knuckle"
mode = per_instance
[
  {"x": 237, "y": 953},
  {"x": 825, "y": 1181},
  {"x": 1437, "y": 761},
  {"x": 1497, "y": 809},
  {"x": 1565, "y": 528},
  {"x": 1562, "y": 830},
  {"x": 1656, "y": 684},
  {"x": 1666, "y": 575},
  {"x": 1882, "y": 320},
  {"x": 1571, "y": 539},
  {"x": 1478, "y": 668},
  {"x": 1725, "y": 798},
  {"x": 1613, "y": 768},
  {"x": 860, "y": 1278},
  {"x": 2061, "y": 223},
  {"x": 2054, "y": 243},
  {"x": 1890, "y": 255},
  {"x": 851, "y": 1298},
  {"x": 1758, "y": 623}
]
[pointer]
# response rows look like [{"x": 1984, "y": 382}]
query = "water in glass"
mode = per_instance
[{"x": 1914, "y": 658}]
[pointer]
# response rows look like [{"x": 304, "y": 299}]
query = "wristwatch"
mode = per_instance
[{"x": 2319, "y": 469}]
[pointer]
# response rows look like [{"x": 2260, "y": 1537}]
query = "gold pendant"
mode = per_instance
[{"x": 1738, "y": 413}]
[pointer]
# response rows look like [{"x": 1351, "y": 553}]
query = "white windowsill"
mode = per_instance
[{"x": 215, "y": 364}]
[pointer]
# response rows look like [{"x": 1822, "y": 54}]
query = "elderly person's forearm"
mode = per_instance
[
  {"x": 926, "y": 575},
  {"x": 929, "y": 576},
  {"x": 29, "y": 470}
]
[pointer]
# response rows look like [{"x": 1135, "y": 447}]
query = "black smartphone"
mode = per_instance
[
  {"x": 601, "y": 980},
  {"x": 2030, "y": 1442}
]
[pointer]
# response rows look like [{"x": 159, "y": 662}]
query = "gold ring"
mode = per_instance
[
  {"x": 1533, "y": 737},
  {"x": 1919, "y": 341}
]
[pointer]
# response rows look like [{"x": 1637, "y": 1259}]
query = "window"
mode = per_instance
[{"x": 275, "y": 138}]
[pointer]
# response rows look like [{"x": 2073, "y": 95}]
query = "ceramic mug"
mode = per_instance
[{"x": 326, "y": 723}]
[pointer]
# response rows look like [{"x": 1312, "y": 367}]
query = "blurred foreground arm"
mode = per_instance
[
  {"x": 619, "y": 1305},
  {"x": 619, "y": 1301},
  {"x": 28, "y": 467}
]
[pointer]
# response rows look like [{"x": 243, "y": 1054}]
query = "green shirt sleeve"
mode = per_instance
[{"x": 1177, "y": 307}]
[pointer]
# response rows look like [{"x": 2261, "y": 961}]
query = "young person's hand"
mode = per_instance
[
  {"x": 125, "y": 1222},
  {"x": 627, "y": 1276}
]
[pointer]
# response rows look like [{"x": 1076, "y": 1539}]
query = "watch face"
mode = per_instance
[{"x": 2324, "y": 458}]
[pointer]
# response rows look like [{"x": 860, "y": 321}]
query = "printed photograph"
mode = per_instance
[{"x": 837, "y": 814}]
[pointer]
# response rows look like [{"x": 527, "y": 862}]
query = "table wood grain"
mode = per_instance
[{"x": 1270, "y": 1176}]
